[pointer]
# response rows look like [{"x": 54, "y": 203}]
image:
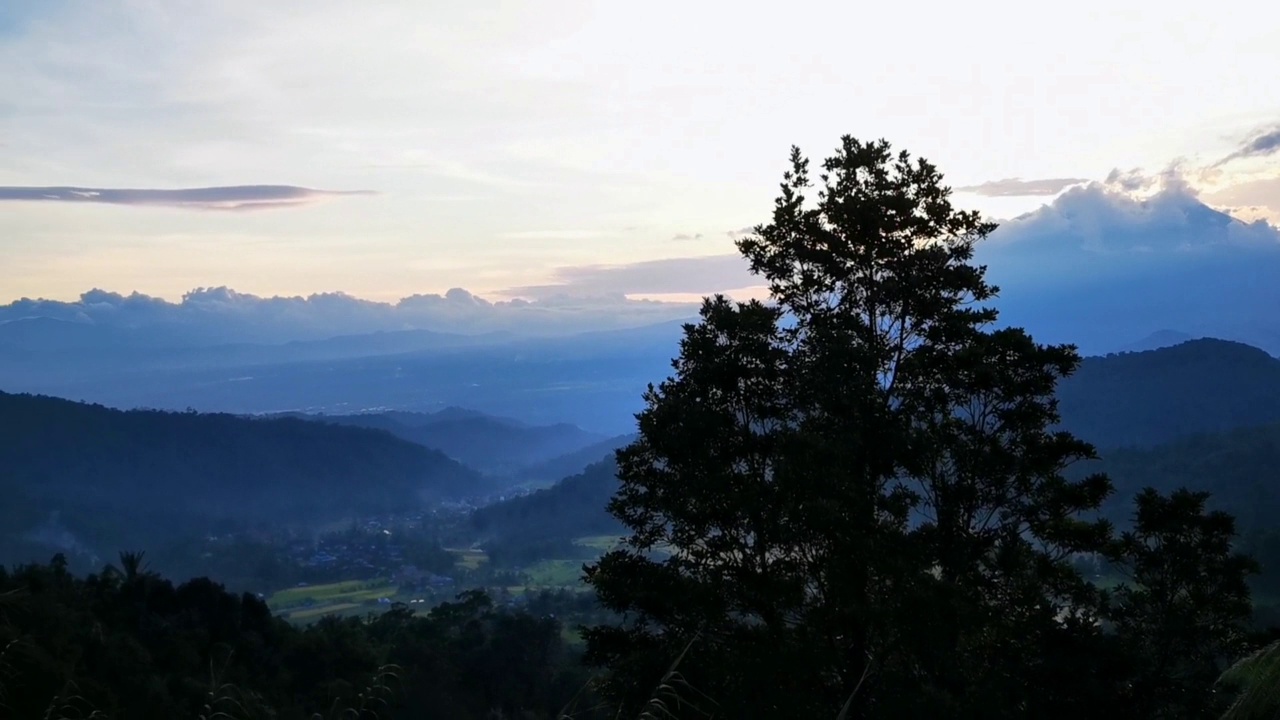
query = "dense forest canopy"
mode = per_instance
[
  {"x": 111, "y": 479},
  {"x": 126, "y": 643},
  {"x": 544, "y": 523},
  {"x": 1153, "y": 397}
]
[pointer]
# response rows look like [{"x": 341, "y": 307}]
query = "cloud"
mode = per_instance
[
  {"x": 684, "y": 276},
  {"x": 1248, "y": 195},
  {"x": 682, "y": 237},
  {"x": 1017, "y": 187},
  {"x": 1101, "y": 268},
  {"x": 233, "y": 197},
  {"x": 1177, "y": 175},
  {"x": 1263, "y": 142},
  {"x": 1098, "y": 220},
  {"x": 1097, "y": 267},
  {"x": 210, "y": 316},
  {"x": 1258, "y": 198},
  {"x": 1132, "y": 180}
]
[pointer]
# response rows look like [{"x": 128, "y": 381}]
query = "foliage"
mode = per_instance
[
  {"x": 1185, "y": 604},
  {"x": 860, "y": 482},
  {"x": 127, "y": 643},
  {"x": 545, "y": 523},
  {"x": 1238, "y": 467},
  {"x": 1258, "y": 676}
]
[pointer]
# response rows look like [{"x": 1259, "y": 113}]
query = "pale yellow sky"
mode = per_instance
[{"x": 507, "y": 140}]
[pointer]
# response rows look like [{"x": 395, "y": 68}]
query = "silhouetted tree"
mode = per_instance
[
  {"x": 852, "y": 491},
  {"x": 1183, "y": 609}
]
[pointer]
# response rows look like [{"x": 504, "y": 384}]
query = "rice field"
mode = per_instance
[
  {"x": 555, "y": 573},
  {"x": 300, "y": 604},
  {"x": 603, "y": 543},
  {"x": 349, "y": 591},
  {"x": 470, "y": 558},
  {"x": 316, "y": 613}
]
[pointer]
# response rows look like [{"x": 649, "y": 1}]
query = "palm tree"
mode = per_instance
[
  {"x": 131, "y": 563},
  {"x": 1257, "y": 677}
]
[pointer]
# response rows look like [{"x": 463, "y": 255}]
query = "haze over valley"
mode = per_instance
[{"x": 577, "y": 360}]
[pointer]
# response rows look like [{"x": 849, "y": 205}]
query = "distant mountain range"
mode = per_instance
[
  {"x": 494, "y": 445},
  {"x": 1205, "y": 413},
  {"x": 1157, "y": 340},
  {"x": 575, "y": 462},
  {"x": 593, "y": 380}
]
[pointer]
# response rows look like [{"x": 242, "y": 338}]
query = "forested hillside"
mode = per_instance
[
  {"x": 575, "y": 462},
  {"x": 1241, "y": 468},
  {"x": 546, "y": 521},
  {"x": 1146, "y": 398},
  {"x": 108, "y": 479},
  {"x": 1204, "y": 414},
  {"x": 484, "y": 442}
]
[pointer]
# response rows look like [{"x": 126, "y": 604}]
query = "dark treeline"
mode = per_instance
[
  {"x": 1240, "y": 468},
  {"x": 126, "y": 643}
]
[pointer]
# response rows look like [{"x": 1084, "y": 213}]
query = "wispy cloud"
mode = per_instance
[
  {"x": 1261, "y": 143},
  {"x": 686, "y": 275},
  {"x": 232, "y": 197},
  {"x": 1017, "y": 187},
  {"x": 687, "y": 236}
]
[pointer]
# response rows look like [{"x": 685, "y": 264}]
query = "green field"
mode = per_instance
[
  {"x": 555, "y": 573},
  {"x": 567, "y": 572},
  {"x": 349, "y": 591},
  {"x": 343, "y": 598},
  {"x": 318, "y": 612},
  {"x": 603, "y": 543},
  {"x": 470, "y": 559},
  {"x": 354, "y": 597}
]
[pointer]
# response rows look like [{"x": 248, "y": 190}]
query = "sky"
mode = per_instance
[{"x": 521, "y": 149}]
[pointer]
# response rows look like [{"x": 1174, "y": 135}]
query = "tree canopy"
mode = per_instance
[{"x": 853, "y": 495}]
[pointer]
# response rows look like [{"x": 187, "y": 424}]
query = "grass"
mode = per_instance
[
  {"x": 316, "y": 612},
  {"x": 470, "y": 559},
  {"x": 349, "y": 591},
  {"x": 341, "y": 598},
  {"x": 555, "y": 573},
  {"x": 603, "y": 543}
]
